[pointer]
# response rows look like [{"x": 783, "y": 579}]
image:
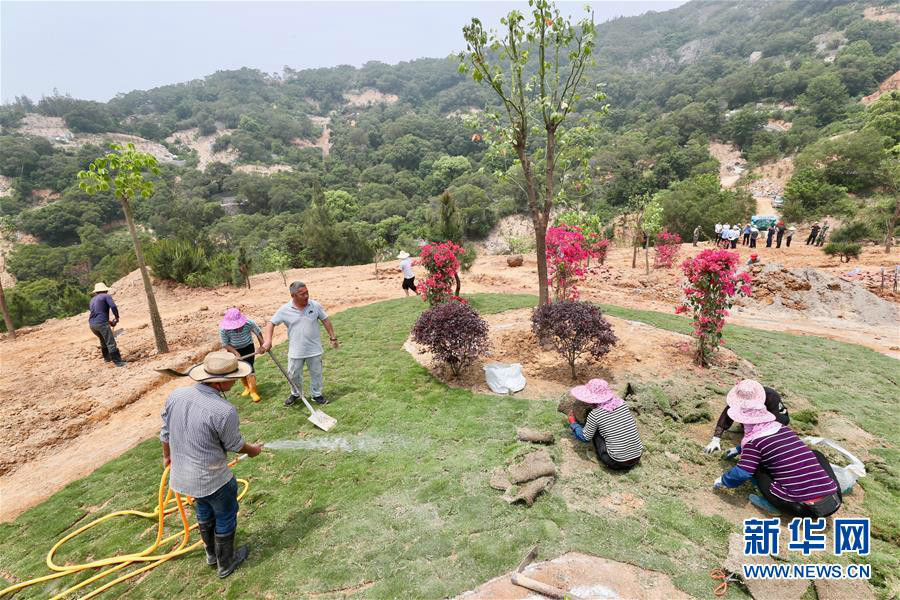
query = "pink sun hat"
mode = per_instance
[
  {"x": 233, "y": 319},
  {"x": 597, "y": 391},
  {"x": 747, "y": 403}
]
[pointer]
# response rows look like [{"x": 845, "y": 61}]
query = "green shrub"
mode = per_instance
[
  {"x": 846, "y": 250},
  {"x": 176, "y": 259},
  {"x": 852, "y": 232},
  {"x": 34, "y": 302}
]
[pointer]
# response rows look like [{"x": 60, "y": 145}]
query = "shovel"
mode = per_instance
[{"x": 316, "y": 417}]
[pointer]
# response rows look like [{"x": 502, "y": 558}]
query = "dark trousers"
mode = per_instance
[
  {"x": 105, "y": 334},
  {"x": 753, "y": 242},
  {"x": 787, "y": 241},
  {"x": 248, "y": 354},
  {"x": 604, "y": 457},
  {"x": 768, "y": 241},
  {"x": 778, "y": 240},
  {"x": 764, "y": 481},
  {"x": 811, "y": 238},
  {"x": 221, "y": 506},
  {"x": 409, "y": 283},
  {"x": 734, "y": 243},
  {"x": 746, "y": 239}
]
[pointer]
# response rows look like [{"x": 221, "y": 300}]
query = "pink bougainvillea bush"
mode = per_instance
[
  {"x": 441, "y": 260},
  {"x": 566, "y": 257},
  {"x": 454, "y": 333},
  {"x": 710, "y": 290},
  {"x": 667, "y": 247}
]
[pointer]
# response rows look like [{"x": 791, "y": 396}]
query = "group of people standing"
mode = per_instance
[
  {"x": 727, "y": 235},
  {"x": 200, "y": 426}
]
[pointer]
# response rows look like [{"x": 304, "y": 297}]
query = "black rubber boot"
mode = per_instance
[
  {"x": 227, "y": 557},
  {"x": 105, "y": 351},
  {"x": 208, "y": 535},
  {"x": 116, "y": 358}
]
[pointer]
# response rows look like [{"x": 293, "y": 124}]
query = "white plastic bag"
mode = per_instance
[
  {"x": 848, "y": 475},
  {"x": 504, "y": 378}
]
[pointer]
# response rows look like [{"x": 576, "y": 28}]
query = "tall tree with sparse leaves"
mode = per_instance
[
  {"x": 123, "y": 169},
  {"x": 536, "y": 67}
]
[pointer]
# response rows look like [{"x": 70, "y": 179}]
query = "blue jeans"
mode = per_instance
[
  {"x": 221, "y": 505},
  {"x": 295, "y": 372}
]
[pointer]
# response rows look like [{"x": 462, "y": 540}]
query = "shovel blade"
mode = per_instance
[
  {"x": 321, "y": 420},
  {"x": 171, "y": 371}
]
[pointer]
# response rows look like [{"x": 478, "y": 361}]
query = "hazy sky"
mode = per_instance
[{"x": 95, "y": 50}]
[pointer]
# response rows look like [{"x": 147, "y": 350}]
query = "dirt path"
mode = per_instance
[{"x": 66, "y": 412}]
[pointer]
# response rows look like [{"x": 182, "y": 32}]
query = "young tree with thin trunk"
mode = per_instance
[
  {"x": 536, "y": 69},
  {"x": 123, "y": 169},
  {"x": 636, "y": 206},
  {"x": 10, "y": 328},
  {"x": 651, "y": 224}
]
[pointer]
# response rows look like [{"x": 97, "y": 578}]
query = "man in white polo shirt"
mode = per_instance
[{"x": 301, "y": 316}]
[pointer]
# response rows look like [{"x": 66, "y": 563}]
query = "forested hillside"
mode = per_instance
[{"x": 341, "y": 165}]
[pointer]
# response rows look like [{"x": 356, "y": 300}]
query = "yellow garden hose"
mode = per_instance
[{"x": 117, "y": 563}]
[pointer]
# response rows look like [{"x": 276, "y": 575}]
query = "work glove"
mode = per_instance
[
  {"x": 571, "y": 417},
  {"x": 713, "y": 445},
  {"x": 717, "y": 484},
  {"x": 577, "y": 431},
  {"x": 733, "y": 453}
]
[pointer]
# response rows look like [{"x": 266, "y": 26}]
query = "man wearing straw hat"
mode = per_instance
[
  {"x": 199, "y": 427},
  {"x": 100, "y": 306},
  {"x": 409, "y": 278}
]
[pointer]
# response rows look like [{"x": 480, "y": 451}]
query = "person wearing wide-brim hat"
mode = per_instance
[
  {"x": 199, "y": 427},
  {"x": 773, "y": 403},
  {"x": 409, "y": 277},
  {"x": 789, "y": 235},
  {"x": 236, "y": 334},
  {"x": 791, "y": 477},
  {"x": 100, "y": 306},
  {"x": 609, "y": 424}
]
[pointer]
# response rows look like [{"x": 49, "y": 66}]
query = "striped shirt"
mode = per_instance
[
  {"x": 797, "y": 475},
  {"x": 240, "y": 337},
  {"x": 618, "y": 428},
  {"x": 200, "y": 426}
]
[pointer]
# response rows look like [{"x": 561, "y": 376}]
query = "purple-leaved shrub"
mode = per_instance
[
  {"x": 573, "y": 328},
  {"x": 454, "y": 333}
]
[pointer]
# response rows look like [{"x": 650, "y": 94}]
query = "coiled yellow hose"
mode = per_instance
[{"x": 117, "y": 563}]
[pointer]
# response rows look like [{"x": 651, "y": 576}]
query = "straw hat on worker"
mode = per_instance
[{"x": 219, "y": 367}]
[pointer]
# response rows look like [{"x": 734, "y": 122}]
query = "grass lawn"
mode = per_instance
[{"x": 408, "y": 513}]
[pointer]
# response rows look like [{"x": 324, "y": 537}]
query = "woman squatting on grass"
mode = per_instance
[
  {"x": 608, "y": 423},
  {"x": 791, "y": 478}
]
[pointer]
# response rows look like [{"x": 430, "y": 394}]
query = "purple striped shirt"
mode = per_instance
[{"x": 797, "y": 475}]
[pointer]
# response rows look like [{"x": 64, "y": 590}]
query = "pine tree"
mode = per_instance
[{"x": 447, "y": 225}]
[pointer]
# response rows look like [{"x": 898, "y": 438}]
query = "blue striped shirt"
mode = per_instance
[
  {"x": 240, "y": 337},
  {"x": 200, "y": 426}
]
